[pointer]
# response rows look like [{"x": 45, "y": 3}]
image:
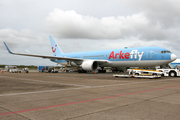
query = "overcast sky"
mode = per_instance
[{"x": 85, "y": 25}]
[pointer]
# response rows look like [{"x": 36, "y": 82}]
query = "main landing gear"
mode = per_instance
[
  {"x": 102, "y": 70},
  {"x": 82, "y": 71}
]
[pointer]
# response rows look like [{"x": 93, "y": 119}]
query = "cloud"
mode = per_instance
[
  {"x": 164, "y": 12},
  {"x": 24, "y": 38},
  {"x": 69, "y": 24},
  {"x": 164, "y": 15},
  {"x": 24, "y": 41},
  {"x": 86, "y": 26}
]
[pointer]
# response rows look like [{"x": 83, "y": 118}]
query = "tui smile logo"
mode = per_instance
[{"x": 54, "y": 50}]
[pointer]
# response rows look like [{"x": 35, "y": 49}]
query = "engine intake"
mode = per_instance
[{"x": 90, "y": 65}]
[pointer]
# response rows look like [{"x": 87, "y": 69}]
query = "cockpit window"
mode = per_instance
[{"x": 165, "y": 51}]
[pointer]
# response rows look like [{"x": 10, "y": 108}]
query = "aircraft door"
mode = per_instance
[{"x": 149, "y": 54}]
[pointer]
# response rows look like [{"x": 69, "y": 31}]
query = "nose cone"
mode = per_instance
[{"x": 173, "y": 57}]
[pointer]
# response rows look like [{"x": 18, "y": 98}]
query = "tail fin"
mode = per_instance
[{"x": 54, "y": 46}]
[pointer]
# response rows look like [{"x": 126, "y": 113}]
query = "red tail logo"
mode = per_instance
[{"x": 54, "y": 49}]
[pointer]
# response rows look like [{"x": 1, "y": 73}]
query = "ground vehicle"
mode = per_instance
[
  {"x": 140, "y": 73},
  {"x": 144, "y": 71},
  {"x": 14, "y": 70},
  {"x": 26, "y": 70},
  {"x": 41, "y": 68},
  {"x": 49, "y": 69},
  {"x": 171, "y": 72},
  {"x": 7, "y": 68},
  {"x": 53, "y": 70}
]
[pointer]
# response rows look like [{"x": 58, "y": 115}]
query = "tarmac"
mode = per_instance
[{"x": 87, "y": 96}]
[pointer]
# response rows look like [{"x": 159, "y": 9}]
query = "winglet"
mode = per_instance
[{"x": 7, "y": 48}]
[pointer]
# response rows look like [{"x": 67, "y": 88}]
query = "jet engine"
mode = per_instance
[{"x": 89, "y": 65}]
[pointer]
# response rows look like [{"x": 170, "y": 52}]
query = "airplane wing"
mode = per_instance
[
  {"x": 53, "y": 57},
  {"x": 45, "y": 57}
]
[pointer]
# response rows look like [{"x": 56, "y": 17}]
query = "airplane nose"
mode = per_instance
[{"x": 173, "y": 57}]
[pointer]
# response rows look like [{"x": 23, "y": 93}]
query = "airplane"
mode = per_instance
[{"x": 117, "y": 58}]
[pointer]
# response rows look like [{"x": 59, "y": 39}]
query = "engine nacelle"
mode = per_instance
[{"x": 89, "y": 65}]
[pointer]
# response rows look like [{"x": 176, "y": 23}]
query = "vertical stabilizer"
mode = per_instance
[{"x": 54, "y": 47}]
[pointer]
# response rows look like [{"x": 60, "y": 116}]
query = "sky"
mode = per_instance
[{"x": 85, "y": 25}]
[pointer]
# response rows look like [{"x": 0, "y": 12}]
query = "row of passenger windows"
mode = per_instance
[
  {"x": 93, "y": 56},
  {"x": 165, "y": 51}
]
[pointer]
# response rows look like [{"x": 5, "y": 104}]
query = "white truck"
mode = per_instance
[
  {"x": 171, "y": 72},
  {"x": 50, "y": 69},
  {"x": 26, "y": 70},
  {"x": 14, "y": 69}
]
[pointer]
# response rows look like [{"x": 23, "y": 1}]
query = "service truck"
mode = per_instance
[
  {"x": 48, "y": 69},
  {"x": 14, "y": 69},
  {"x": 172, "y": 72},
  {"x": 26, "y": 70}
]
